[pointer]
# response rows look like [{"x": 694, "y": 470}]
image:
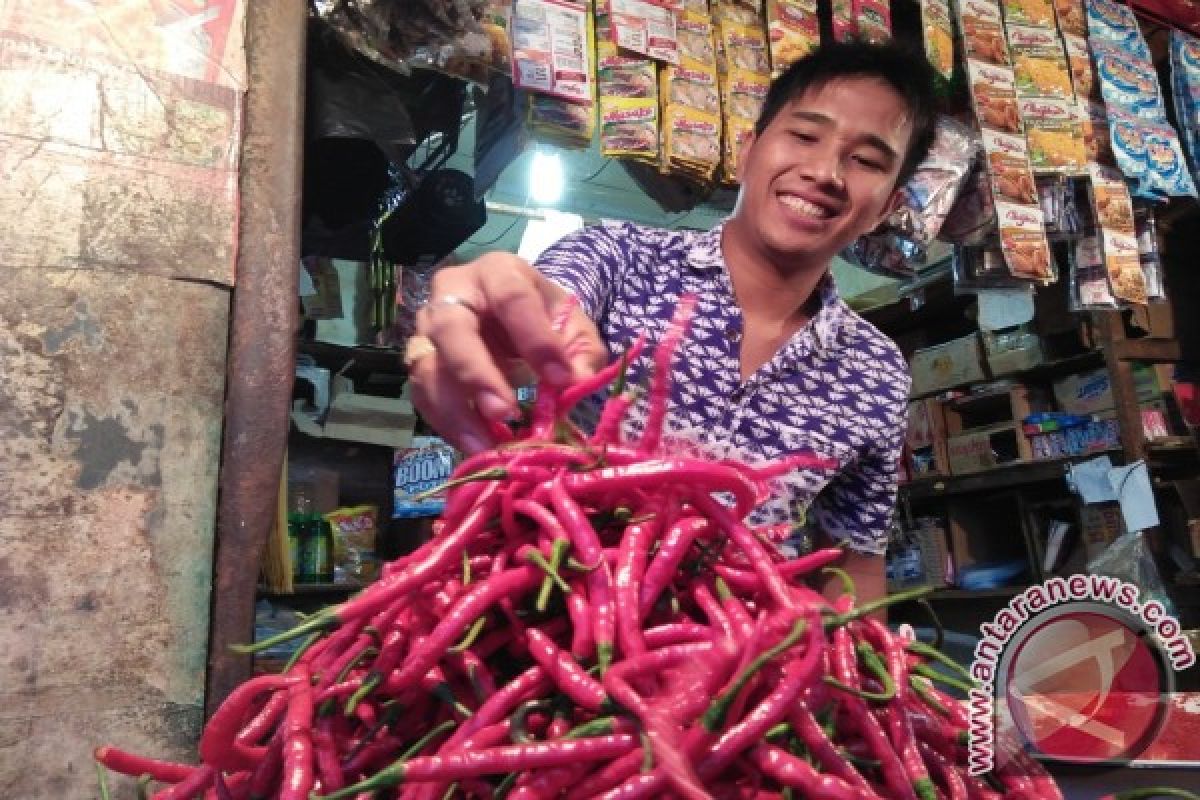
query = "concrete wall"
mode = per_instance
[{"x": 119, "y": 136}]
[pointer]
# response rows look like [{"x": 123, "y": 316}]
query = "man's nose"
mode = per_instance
[{"x": 824, "y": 167}]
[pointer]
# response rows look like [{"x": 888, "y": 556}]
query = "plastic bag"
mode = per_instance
[
  {"x": 421, "y": 468},
  {"x": 1129, "y": 559}
]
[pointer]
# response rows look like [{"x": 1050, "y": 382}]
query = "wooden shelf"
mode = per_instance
[
  {"x": 1162, "y": 351},
  {"x": 1049, "y": 370},
  {"x": 365, "y": 358},
  {"x": 308, "y": 589},
  {"x": 1018, "y": 474}
]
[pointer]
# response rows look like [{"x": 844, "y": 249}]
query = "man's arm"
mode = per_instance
[{"x": 866, "y": 570}]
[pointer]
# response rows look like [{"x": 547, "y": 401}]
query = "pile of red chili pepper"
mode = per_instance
[{"x": 593, "y": 618}]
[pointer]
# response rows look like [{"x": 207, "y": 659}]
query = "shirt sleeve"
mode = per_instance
[
  {"x": 858, "y": 505},
  {"x": 588, "y": 263}
]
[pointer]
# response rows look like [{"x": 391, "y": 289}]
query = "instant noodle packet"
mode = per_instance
[
  {"x": 1071, "y": 20},
  {"x": 1123, "y": 266},
  {"x": 691, "y": 142},
  {"x": 697, "y": 48},
  {"x": 845, "y": 27},
  {"x": 629, "y": 128},
  {"x": 1029, "y": 12},
  {"x": 1097, "y": 145},
  {"x": 743, "y": 94},
  {"x": 793, "y": 31},
  {"x": 983, "y": 32},
  {"x": 623, "y": 76},
  {"x": 993, "y": 93},
  {"x": 744, "y": 47},
  {"x": 1079, "y": 59},
  {"x": 874, "y": 20},
  {"x": 738, "y": 133},
  {"x": 937, "y": 32},
  {"x": 1110, "y": 199},
  {"x": 1023, "y": 241},
  {"x": 1052, "y": 128},
  {"x": 1128, "y": 82},
  {"x": 552, "y": 119},
  {"x": 1039, "y": 62},
  {"x": 1116, "y": 23},
  {"x": 1008, "y": 166},
  {"x": 693, "y": 88}
]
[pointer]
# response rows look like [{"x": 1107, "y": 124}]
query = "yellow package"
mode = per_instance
[
  {"x": 1123, "y": 266},
  {"x": 693, "y": 88},
  {"x": 629, "y": 128},
  {"x": 1029, "y": 12},
  {"x": 793, "y": 31},
  {"x": 738, "y": 133},
  {"x": 994, "y": 96},
  {"x": 729, "y": 11},
  {"x": 354, "y": 533},
  {"x": 938, "y": 34},
  {"x": 692, "y": 138},
  {"x": 696, "y": 6},
  {"x": 1071, "y": 19},
  {"x": 1093, "y": 121},
  {"x": 697, "y": 48},
  {"x": 745, "y": 47},
  {"x": 554, "y": 120},
  {"x": 1110, "y": 198},
  {"x": 983, "y": 32},
  {"x": 1055, "y": 137},
  {"x": 1039, "y": 62},
  {"x": 743, "y": 93},
  {"x": 618, "y": 75}
]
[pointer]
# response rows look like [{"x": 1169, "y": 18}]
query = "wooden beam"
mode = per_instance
[{"x": 1156, "y": 350}]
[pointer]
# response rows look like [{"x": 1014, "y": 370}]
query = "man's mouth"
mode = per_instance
[{"x": 805, "y": 208}]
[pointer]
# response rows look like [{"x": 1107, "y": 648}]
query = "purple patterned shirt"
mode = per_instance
[{"x": 838, "y": 387}]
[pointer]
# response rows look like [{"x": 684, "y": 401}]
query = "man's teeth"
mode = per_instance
[{"x": 803, "y": 206}]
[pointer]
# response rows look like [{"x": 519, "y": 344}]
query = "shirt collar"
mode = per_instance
[{"x": 705, "y": 254}]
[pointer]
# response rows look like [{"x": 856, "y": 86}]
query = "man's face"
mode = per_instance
[{"x": 824, "y": 170}]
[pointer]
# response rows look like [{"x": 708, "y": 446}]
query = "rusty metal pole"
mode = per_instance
[{"x": 261, "y": 343}]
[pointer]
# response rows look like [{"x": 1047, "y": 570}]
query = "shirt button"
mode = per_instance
[{"x": 733, "y": 333}]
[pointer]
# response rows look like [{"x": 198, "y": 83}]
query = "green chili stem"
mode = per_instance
[
  {"x": 557, "y": 551},
  {"x": 866, "y": 609},
  {"x": 779, "y": 730},
  {"x": 647, "y": 753},
  {"x": 926, "y": 671},
  {"x": 928, "y": 651},
  {"x": 489, "y": 474},
  {"x": 391, "y": 774},
  {"x": 102, "y": 781},
  {"x": 714, "y": 717},
  {"x": 843, "y": 576},
  {"x": 317, "y": 623},
  {"x": 471, "y": 635}
]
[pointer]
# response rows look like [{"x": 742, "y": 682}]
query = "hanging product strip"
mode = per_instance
[
  {"x": 628, "y": 88},
  {"x": 743, "y": 70},
  {"x": 793, "y": 30},
  {"x": 691, "y": 140},
  {"x": 1020, "y": 222},
  {"x": 552, "y": 51},
  {"x": 937, "y": 32},
  {"x": 1185, "y": 82}
]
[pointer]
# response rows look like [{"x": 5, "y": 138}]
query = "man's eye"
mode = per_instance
[
  {"x": 869, "y": 163},
  {"x": 804, "y": 136}
]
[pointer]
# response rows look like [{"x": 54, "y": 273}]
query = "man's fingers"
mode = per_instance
[
  {"x": 445, "y": 407},
  {"x": 522, "y": 303}
]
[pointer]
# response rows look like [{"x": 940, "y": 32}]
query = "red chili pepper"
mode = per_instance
[
  {"x": 598, "y": 581},
  {"x": 684, "y": 473},
  {"x": 476, "y": 601},
  {"x": 325, "y": 750},
  {"x": 660, "y": 387},
  {"x": 588, "y": 386},
  {"x": 200, "y": 779},
  {"x": 566, "y": 673},
  {"x": 608, "y": 427},
  {"x": 672, "y": 549},
  {"x": 583, "y": 643},
  {"x": 134, "y": 765},
  {"x": 631, "y": 565},
  {"x": 773, "y": 583},
  {"x": 264, "y": 721},
  {"x": 950, "y": 780},
  {"x": 219, "y": 746},
  {"x": 799, "y": 774},
  {"x": 809, "y": 731}
]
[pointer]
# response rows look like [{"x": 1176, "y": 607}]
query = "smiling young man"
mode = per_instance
[{"x": 774, "y": 361}]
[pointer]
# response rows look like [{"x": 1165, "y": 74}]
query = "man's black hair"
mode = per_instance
[{"x": 898, "y": 67}]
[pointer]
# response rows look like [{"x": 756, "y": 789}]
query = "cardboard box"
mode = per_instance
[
  {"x": 983, "y": 448},
  {"x": 1090, "y": 392},
  {"x": 926, "y": 438},
  {"x": 947, "y": 365},
  {"x": 1012, "y": 352},
  {"x": 353, "y": 417}
]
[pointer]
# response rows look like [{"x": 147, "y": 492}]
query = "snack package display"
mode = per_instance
[
  {"x": 743, "y": 94},
  {"x": 1060, "y": 209},
  {"x": 738, "y": 133},
  {"x": 1029, "y": 12},
  {"x": 844, "y": 25},
  {"x": 629, "y": 128},
  {"x": 1071, "y": 20},
  {"x": 900, "y": 244},
  {"x": 1110, "y": 199},
  {"x": 691, "y": 142},
  {"x": 1023, "y": 241},
  {"x": 1114, "y": 22},
  {"x": 873, "y": 19},
  {"x": 1055, "y": 135},
  {"x": 1079, "y": 60},
  {"x": 1123, "y": 266},
  {"x": 1039, "y": 62},
  {"x": 1185, "y": 83},
  {"x": 561, "y": 122},
  {"x": 421, "y": 468},
  {"x": 981, "y": 267},
  {"x": 693, "y": 88},
  {"x": 793, "y": 31},
  {"x": 1097, "y": 144},
  {"x": 1089, "y": 279},
  {"x": 695, "y": 6},
  {"x": 552, "y": 49},
  {"x": 982, "y": 29},
  {"x": 697, "y": 47},
  {"x": 744, "y": 47},
  {"x": 937, "y": 32},
  {"x": 1166, "y": 168},
  {"x": 972, "y": 219},
  {"x": 994, "y": 96},
  {"x": 1128, "y": 82},
  {"x": 354, "y": 533},
  {"x": 1008, "y": 164},
  {"x": 729, "y": 11},
  {"x": 622, "y": 76},
  {"x": 645, "y": 28}
]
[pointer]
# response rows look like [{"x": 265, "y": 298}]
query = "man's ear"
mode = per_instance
[{"x": 741, "y": 166}]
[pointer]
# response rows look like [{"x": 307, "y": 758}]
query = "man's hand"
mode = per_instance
[{"x": 489, "y": 322}]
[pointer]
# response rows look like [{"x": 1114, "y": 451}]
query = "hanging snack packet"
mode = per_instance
[
  {"x": 691, "y": 142},
  {"x": 1110, "y": 199},
  {"x": 622, "y": 76},
  {"x": 745, "y": 47},
  {"x": 1129, "y": 149},
  {"x": 1166, "y": 169},
  {"x": 983, "y": 32},
  {"x": 629, "y": 128},
  {"x": 693, "y": 88},
  {"x": 1115, "y": 23},
  {"x": 1071, "y": 20},
  {"x": 645, "y": 28},
  {"x": 1185, "y": 80},
  {"x": 696, "y": 41},
  {"x": 1147, "y": 236},
  {"x": 727, "y": 11},
  {"x": 1128, "y": 83},
  {"x": 874, "y": 20},
  {"x": 1079, "y": 59},
  {"x": 793, "y": 30},
  {"x": 743, "y": 94},
  {"x": 1055, "y": 137},
  {"x": 1008, "y": 165},
  {"x": 738, "y": 132},
  {"x": 1091, "y": 291},
  {"x": 560, "y": 122},
  {"x": 1039, "y": 63},
  {"x": 354, "y": 532},
  {"x": 552, "y": 49},
  {"x": 1094, "y": 124},
  {"x": 1023, "y": 241},
  {"x": 1029, "y": 12},
  {"x": 695, "y": 7},
  {"x": 938, "y": 35},
  {"x": 1124, "y": 269},
  {"x": 994, "y": 96}
]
